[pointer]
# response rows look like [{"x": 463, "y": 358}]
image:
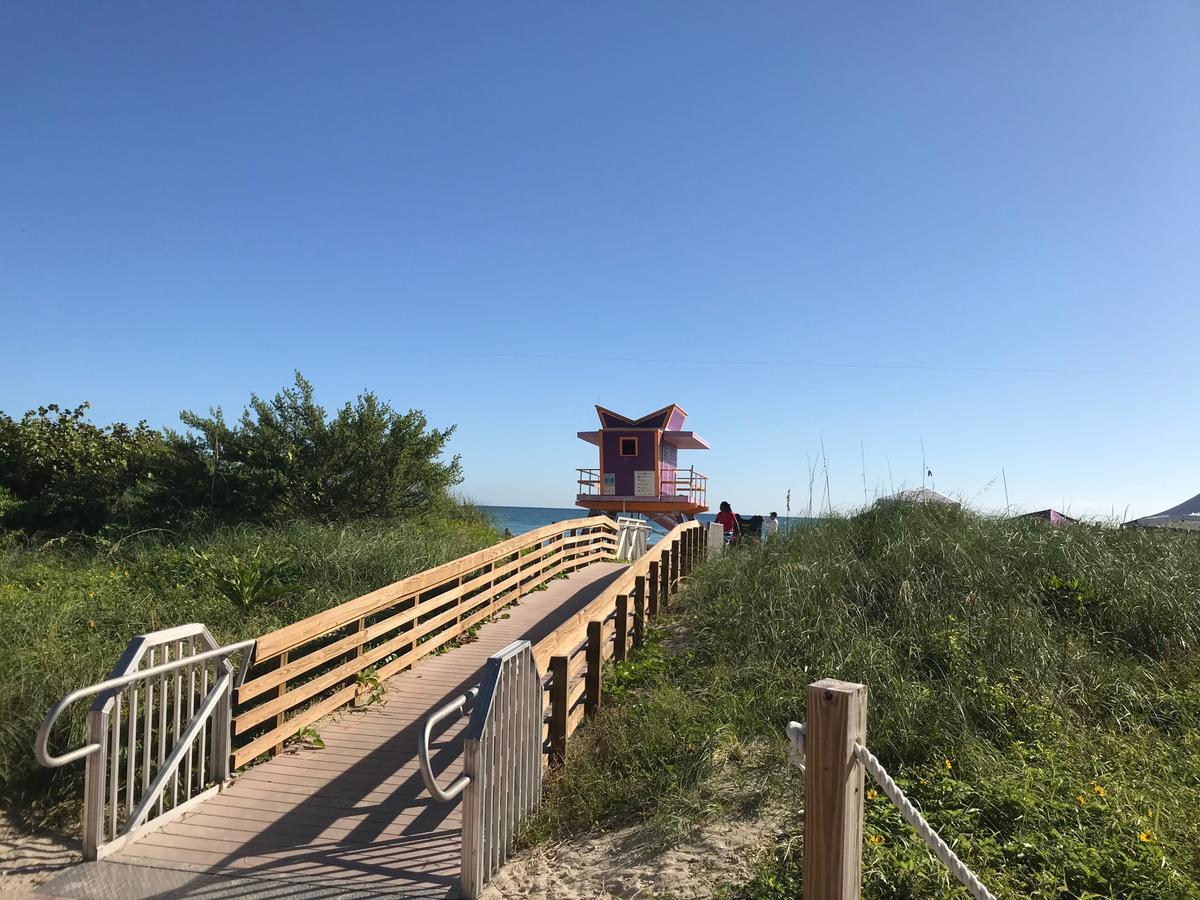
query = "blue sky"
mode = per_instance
[{"x": 973, "y": 226}]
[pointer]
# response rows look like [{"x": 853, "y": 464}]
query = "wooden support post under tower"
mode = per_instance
[{"x": 833, "y": 790}]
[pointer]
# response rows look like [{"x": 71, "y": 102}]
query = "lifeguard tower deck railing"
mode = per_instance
[{"x": 675, "y": 484}]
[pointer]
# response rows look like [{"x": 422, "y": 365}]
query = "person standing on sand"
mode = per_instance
[
  {"x": 728, "y": 521},
  {"x": 772, "y": 528}
]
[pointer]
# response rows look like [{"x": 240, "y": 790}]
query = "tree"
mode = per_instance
[{"x": 285, "y": 458}]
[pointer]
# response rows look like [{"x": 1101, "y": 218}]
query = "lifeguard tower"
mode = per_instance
[{"x": 639, "y": 470}]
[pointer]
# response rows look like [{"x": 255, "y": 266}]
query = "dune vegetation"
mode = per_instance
[
  {"x": 107, "y": 532},
  {"x": 1036, "y": 690}
]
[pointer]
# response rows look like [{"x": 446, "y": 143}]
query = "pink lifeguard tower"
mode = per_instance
[{"x": 639, "y": 471}]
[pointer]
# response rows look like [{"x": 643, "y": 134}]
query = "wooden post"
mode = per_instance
[
  {"x": 639, "y": 611},
  {"x": 664, "y": 572},
  {"x": 280, "y": 716},
  {"x": 652, "y": 605},
  {"x": 833, "y": 790},
  {"x": 622, "y": 627},
  {"x": 595, "y": 667},
  {"x": 360, "y": 698},
  {"x": 674, "y": 565},
  {"x": 559, "y": 666}
]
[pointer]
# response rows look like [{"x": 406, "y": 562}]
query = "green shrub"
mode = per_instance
[
  {"x": 284, "y": 458},
  {"x": 60, "y": 473}
]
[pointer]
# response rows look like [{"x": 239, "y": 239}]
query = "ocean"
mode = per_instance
[{"x": 519, "y": 519}]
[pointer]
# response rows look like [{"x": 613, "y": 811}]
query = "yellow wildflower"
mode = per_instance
[
  {"x": 949, "y": 765},
  {"x": 1081, "y": 800},
  {"x": 1146, "y": 837},
  {"x": 872, "y": 794},
  {"x": 1097, "y": 790},
  {"x": 875, "y": 838}
]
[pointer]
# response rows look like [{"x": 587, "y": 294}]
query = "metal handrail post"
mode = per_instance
[{"x": 93, "y": 783}]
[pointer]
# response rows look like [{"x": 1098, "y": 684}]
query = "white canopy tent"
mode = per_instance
[
  {"x": 1185, "y": 515},
  {"x": 922, "y": 495}
]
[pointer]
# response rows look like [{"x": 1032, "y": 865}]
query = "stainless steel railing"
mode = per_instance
[
  {"x": 158, "y": 733},
  {"x": 458, "y": 706},
  {"x": 502, "y": 760}
]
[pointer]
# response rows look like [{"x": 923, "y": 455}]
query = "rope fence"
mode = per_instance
[{"x": 839, "y": 826}]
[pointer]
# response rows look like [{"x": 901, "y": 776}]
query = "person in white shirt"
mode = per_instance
[{"x": 772, "y": 525}]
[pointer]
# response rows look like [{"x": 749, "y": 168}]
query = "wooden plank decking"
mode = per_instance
[{"x": 351, "y": 819}]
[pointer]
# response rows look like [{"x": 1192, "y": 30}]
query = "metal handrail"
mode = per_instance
[
  {"x": 682, "y": 483},
  {"x": 40, "y": 745},
  {"x": 459, "y": 705}
]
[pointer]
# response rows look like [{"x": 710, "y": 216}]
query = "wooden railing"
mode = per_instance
[
  {"x": 572, "y": 657},
  {"x": 313, "y": 667}
]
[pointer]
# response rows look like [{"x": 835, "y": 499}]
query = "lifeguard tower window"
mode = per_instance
[{"x": 629, "y": 446}]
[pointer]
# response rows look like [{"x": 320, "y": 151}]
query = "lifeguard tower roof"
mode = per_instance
[
  {"x": 639, "y": 470},
  {"x": 668, "y": 420}
]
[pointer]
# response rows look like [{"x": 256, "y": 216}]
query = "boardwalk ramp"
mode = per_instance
[{"x": 353, "y": 818}]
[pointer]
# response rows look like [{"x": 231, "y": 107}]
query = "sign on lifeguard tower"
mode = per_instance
[{"x": 639, "y": 468}]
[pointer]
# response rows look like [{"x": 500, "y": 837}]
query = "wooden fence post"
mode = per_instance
[
  {"x": 281, "y": 716},
  {"x": 652, "y": 581},
  {"x": 833, "y": 790},
  {"x": 360, "y": 696},
  {"x": 622, "y": 623},
  {"x": 664, "y": 571},
  {"x": 639, "y": 610},
  {"x": 559, "y": 666},
  {"x": 674, "y": 565},
  {"x": 595, "y": 667}
]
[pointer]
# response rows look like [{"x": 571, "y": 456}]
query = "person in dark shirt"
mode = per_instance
[{"x": 728, "y": 521}]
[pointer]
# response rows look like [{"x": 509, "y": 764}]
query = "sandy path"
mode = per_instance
[
  {"x": 27, "y": 860},
  {"x": 615, "y": 865}
]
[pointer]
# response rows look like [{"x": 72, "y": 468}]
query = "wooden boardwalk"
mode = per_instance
[{"x": 352, "y": 819}]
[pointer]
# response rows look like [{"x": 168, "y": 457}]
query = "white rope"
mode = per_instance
[
  {"x": 795, "y": 733},
  {"x": 939, "y": 847}
]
